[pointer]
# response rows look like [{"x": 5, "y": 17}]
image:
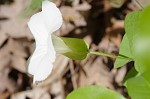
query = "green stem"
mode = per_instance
[
  {"x": 109, "y": 55},
  {"x": 103, "y": 54}
]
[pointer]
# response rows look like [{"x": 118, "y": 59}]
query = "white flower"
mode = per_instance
[{"x": 42, "y": 25}]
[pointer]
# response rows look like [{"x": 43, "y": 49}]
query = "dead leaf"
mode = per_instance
[
  {"x": 82, "y": 7},
  {"x": 36, "y": 93},
  {"x": 3, "y": 37},
  {"x": 5, "y": 82},
  {"x": 71, "y": 15},
  {"x": 15, "y": 25}
]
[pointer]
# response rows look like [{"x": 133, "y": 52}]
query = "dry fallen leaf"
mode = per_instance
[
  {"x": 13, "y": 54},
  {"x": 3, "y": 38},
  {"x": 16, "y": 28},
  {"x": 71, "y": 15},
  {"x": 15, "y": 25},
  {"x": 82, "y": 7},
  {"x": 16, "y": 47},
  {"x": 6, "y": 84},
  {"x": 36, "y": 93},
  {"x": 97, "y": 73}
]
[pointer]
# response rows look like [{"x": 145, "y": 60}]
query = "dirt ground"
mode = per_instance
[{"x": 98, "y": 22}]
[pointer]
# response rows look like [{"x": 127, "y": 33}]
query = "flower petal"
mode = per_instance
[
  {"x": 41, "y": 25},
  {"x": 41, "y": 67},
  {"x": 38, "y": 29},
  {"x": 52, "y": 16},
  {"x": 41, "y": 62}
]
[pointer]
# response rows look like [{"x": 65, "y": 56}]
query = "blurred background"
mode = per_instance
[{"x": 98, "y": 22}]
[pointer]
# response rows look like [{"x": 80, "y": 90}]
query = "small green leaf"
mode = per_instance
[
  {"x": 132, "y": 73},
  {"x": 125, "y": 50},
  {"x": 94, "y": 92},
  {"x": 33, "y": 7},
  {"x": 73, "y": 48},
  {"x": 138, "y": 88},
  {"x": 59, "y": 45},
  {"x": 78, "y": 47}
]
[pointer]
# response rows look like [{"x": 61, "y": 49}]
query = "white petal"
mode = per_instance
[
  {"x": 42, "y": 25},
  {"x": 41, "y": 68},
  {"x": 51, "y": 50},
  {"x": 38, "y": 28},
  {"x": 52, "y": 16},
  {"x": 40, "y": 64}
]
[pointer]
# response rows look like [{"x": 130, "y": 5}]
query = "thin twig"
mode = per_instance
[
  {"x": 73, "y": 78},
  {"x": 139, "y": 3},
  {"x": 110, "y": 55}
]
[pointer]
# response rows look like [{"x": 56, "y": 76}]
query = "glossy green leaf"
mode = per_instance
[
  {"x": 94, "y": 92},
  {"x": 125, "y": 50},
  {"x": 138, "y": 88},
  {"x": 73, "y": 48}
]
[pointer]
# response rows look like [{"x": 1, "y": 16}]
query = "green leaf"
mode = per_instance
[
  {"x": 59, "y": 45},
  {"x": 132, "y": 73},
  {"x": 33, "y": 7},
  {"x": 78, "y": 47},
  {"x": 73, "y": 48},
  {"x": 125, "y": 50},
  {"x": 146, "y": 76},
  {"x": 127, "y": 44},
  {"x": 94, "y": 92},
  {"x": 145, "y": 22},
  {"x": 138, "y": 88},
  {"x": 131, "y": 24},
  {"x": 131, "y": 29},
  {"x": 142, "y": 40},
  {"x": 138, "y": 32}
]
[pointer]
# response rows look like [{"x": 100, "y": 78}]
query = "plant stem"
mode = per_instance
[
  {"x": 109, "y": 55},
  {"x": 103, "y": 54}
]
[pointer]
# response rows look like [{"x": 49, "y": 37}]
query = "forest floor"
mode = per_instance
[{"x": 96, "y": 21}]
